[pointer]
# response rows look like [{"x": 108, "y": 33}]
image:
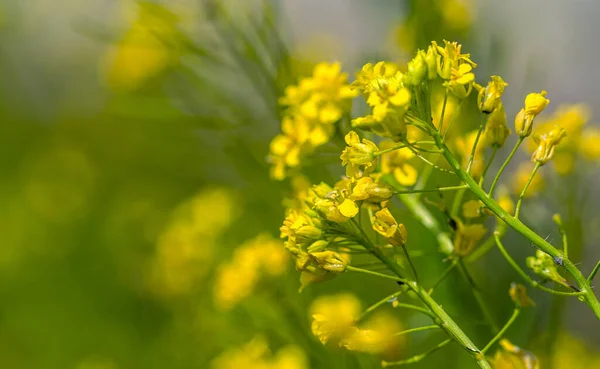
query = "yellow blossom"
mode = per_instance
[
  {"x": 376, "y": 336},
  {"x": 185, "y": 247},
  {"x": 590, "y": 144},
  {"x": 513, "y": 357},
  {"x": 505, "y": 201},
  {"x": 417, "y": 70},
  {"x": 534, "y": 104},
  {"x": 547, "y": 144},
  {"x": 386, "y": 225},
  {"x": 358, "y": 154},
  {"x": 578, "y": 140},
  {"x": 143, "y": 53},
  {"x": 489, "y": 97},
  {"x": 366, "y": 189},
  {"x": 455, "y": 68},
  {"x": 334, "y": 316},
  {"x": 496, "y": 131},
  {"x": 257, "y": 257},
  {"x": 257, "y": 355}
]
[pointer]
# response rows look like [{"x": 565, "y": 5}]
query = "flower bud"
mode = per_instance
[
  {"x": 317, "y": 246},
  {"x": 331, "y": 261},
  {"x": 431, "y": 61},
  {"x": 309, "y": 232},
  {"x": 496, "y": 130},
  {"x": 535, "y": 103},
  {"x": 547, "y": 144},
  {"x": 523, "y": 124},
  {"x": 489, "y": 97},
  {"x": 543, "y": 265},
  {"x": 417, "y": 70},
  {"x": 386, "y": 225}
]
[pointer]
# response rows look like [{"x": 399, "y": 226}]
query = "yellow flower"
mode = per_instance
[
  {"x": 590, "y": 144},
  {"x": 186, "y": 246},
  {"x": 513, "y": 357},
  {"x": 366, "y": 189},
  {"x": 331, "y": 261},
  {"x": 489, "y": 97},
  {"x": 389, "y": 99},
  {"x": 521, "y": 177},
  {"x": 417, "y": 70},
  {"x": 358, "y": 154},
  {"x": 376, "y": 336},
  {"x": 547, "y": 144},
  {"x": 143, "y": 53},
  {"x": 455, "y": 68},
  {"x": 254, "y": 259},
  {"x": 257, "y": 355},
  {"x": 496, "y": 130},
  {"x": 461, "y": 81},
  {"x": 467, "y": 236},
  {"x": 334, "y": 317},
  {"x": 578, "y": 140},
  {"x": 505, "y": 201},
  {"x": 397, "y": 162},
  {"x": 534, "y": 104},
  {"x": 386, "y": 225}
]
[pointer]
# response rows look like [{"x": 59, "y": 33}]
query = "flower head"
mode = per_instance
[
  {"x": 534, "y": 104},
  {"x": 386, "y": 225},
  {"x": 489, "y": 97},
  {"x": 547, "y": 144},
  {"x": 358, "y": 154}
]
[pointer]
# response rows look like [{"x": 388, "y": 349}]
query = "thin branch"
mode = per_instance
[{"x": 416, "y": 358}]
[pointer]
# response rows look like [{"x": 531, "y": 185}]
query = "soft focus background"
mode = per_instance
[{"x": 133, "y": 140}]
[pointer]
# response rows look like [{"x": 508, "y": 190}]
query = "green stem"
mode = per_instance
[
  {"x": 474, "y": 149},
  {"x": 412, "y": 266},
  {"x": 452, "y": 120},
  {"x": 381, "y": 275},
  {"x": 488, "y": 165},
  {"x": 593, "y": 273},
  {"x": 479, "y": 298},
  {"x": 522, "y": 273},
  {"x": 418, "y": 329},
  {"x": 443, "y": 111},
  {"x": 443, "y": 276},
  {"x": 587, "y": 293},
  {"x": 383, "y": 301},
  {"x": 533, "y": 172},
  {"x": 440, "y": 189},
  {"x": 513, "y": 317},
  {"x": 444, "y": 319},
  {"x": 508, "y": 159},
  {"x": 416, "y": 358}
]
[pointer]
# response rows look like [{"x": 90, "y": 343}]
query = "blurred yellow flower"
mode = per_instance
[
  {"x": 184, "y": 250},
  {"x": 257, "y": 355},
  {"x": 521, "y": 176},
  {"x": 334, "y": 317},
  {"x": 251, "y": 261},
  {"x": 513, "y": 357},
  {"x": 377, "y": 336},
  {"x": 313, "y": 106},
  {"x": 398, "y": 162},
  {"x": 464, "y": 147},
  {"x": 467, "y": 236},
  {"x": 146, "y": 50}
]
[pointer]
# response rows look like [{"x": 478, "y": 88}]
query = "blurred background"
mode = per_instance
[{"x": 134, "y": 178}]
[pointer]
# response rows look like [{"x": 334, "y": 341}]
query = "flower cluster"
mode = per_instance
[
  {"x": 313, "y": 106},
  {"x": 254, "y": 259}
]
